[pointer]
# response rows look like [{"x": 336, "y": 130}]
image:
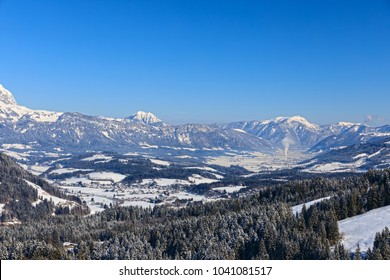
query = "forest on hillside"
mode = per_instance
[{"x": 259, "y": 226}]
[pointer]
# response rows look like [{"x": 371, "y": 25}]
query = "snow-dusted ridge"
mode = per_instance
[
  {"x": 77, "y": 132},
  {"x": 11, "y": 111}
]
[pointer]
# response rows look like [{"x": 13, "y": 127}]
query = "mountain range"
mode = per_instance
[{"x": 75, "y": 132}]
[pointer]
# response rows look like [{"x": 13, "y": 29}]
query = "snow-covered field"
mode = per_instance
[
  {"x": 139, "y": 203},
  {"x": 16, "y": 146},
  {"x": 22, "y": 156},
  {"x": 337, "y": 167},
  {"x": 256, "y": 161},
  {"x": 45, "y": 195},
  {"x": 229, "y": 189},
  {"x": 197, "y": 179},
  {"x": 163, "y": 182},
  {"x": 298, "y": 208},
  {"x": 160, "y": 162},
  {"x": 35, "y": 169},
  {"x": 206, "y": 168},
  {"x": 68, "y": 170},
  {"x": 81, "y": 180},
  {"x": 361, "y": 229},
  {"x": 98, "y": 157},
  {"x": 194, "y": 197},
  {"x": 106, "y": 176},
  {"x": 95, "y": 178},
  {"x": 137, "y": 195}
]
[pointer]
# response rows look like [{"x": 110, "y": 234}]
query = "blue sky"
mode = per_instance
[{"x": 200, "y": 61}]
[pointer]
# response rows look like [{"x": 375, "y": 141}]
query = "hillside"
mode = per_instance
[
  {"x": 25, "y": 197},
  {"x": 258, "y": 226}
]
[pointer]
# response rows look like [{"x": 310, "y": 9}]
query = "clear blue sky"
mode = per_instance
[{"x": 200, "y": 60}]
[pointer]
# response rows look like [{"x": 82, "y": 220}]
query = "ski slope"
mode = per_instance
[{"x": 361, "y": 229}]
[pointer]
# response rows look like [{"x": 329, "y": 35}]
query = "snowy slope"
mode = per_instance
[
  {"x": 76, "y": 132},
  {"x": 298, "y": 208},
  {"x": 45, "y": 195},
  {"x": 361, "y": 229},
  {"x": 374, "y": 154},
  {"x": 284, "y": 132}
]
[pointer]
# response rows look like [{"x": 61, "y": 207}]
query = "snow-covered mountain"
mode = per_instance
[
  {"x": 146, "y": 118},
  {"x": 74, "y": 132},
  {"x": 294, "y": 132},
  {"x": 11, "y": 112},
  {"x": 374, "y": 154},
  {"x": 352, "y": 134},
  {"x": 77, "y": 132}
]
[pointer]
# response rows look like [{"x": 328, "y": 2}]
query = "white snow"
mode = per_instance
[
  {"x": 68, "y": 170},
  {"x": 75, "y": 180},
  {"x": 145, "y": 145},
  {"x": 52, "y": 154},
  {"x": 98, "y": 157},
  {"x": 380, "y": 134},
  {"x": 184, "y": 156},
  {"x": 303, "y": 121},
  {"x": 206, "y": 168},
  {"x": 377, "y": 153},
  {"x": 184, "y": 195},
  {"x": 347, "y": 124},
  {"x": 184, "y": 138},
  {"x": 256, "y": 161},
  {"x": 364, "y": 155},
  {"x": 1, "y": 208},
  {"x": 239, "y": 130},
  {"x": 105, "y": 134},
  {"x": 45, "y": 195},
  {"x": 339, "y": 148},
  {"x": 289, "y": 120},
  {"x": 45, "y": 116},
  {"x": 131, "y": 154},
  {"x": 106, "y": 176},
  {"x": 35, "y": 169},
  {"x": 16, "y": 155},
  {"x": 147, "y": 118},
  {"x": 218, "y": 176},
  {"x": 360, "y": 156},
  {"x": 16, "y": 146},
  {"x": 139, "y": 203},
  {"x": 190, "y": 149},
  {"x": 197, "y": 179},
  {"x": 337, "y": 167},
  {"x": 160, "y": 162},
  {"x": 163, "y": 182},
  {"x": 361, "y": 229},
  {"x": 10, "y": 110},
  {"x": 13, "y": 222},
  {"x": 298, "y": 208},
  {"x": 230, "y": 189}
]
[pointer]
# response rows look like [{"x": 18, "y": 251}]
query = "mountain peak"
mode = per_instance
[
  {"x": 6, "y": 96},
  {"x": 303, "y": 121},
  {"x": 144, "y": 117},
  {"x": 296, "y": 119}
]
